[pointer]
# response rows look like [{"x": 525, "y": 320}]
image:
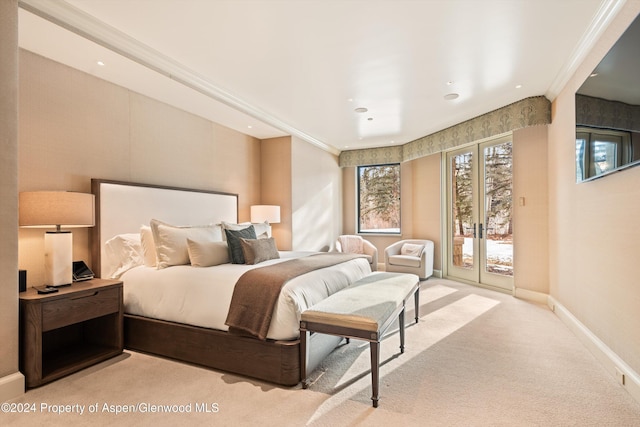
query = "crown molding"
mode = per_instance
[
  {"x": 75, "y": 20},
  {"x": 602, "y": 19}
]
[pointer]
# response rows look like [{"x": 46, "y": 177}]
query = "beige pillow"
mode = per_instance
[
  {"x": 171, "y": 241},
  {"x": 411, "y": 249},
  {"x": 259, "y": 250},
  {"x": 207, "y": 254}
]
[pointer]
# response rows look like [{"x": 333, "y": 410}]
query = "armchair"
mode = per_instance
[
  {"x": 357, "y": 245},
  {"x": 410, "y": 256}
]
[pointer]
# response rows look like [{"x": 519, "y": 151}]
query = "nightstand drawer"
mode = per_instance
[{"x": 79, "y": 307}]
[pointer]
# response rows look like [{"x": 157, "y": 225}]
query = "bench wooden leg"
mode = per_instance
[
  {"x": 375, "y": 371},
  {"x": 304, "y": 358},
  {"x": 417, "y": 301},
  {"x": 401, "y": 330}
]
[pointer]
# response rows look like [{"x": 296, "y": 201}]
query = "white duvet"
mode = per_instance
[{"x": 201, "y": 296}]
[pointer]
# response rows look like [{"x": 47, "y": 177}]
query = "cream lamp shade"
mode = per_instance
[
  {"x": 49, "y": 209},
  {"x": 57, "y": 209},
  {"x": 268, "y": 213}
]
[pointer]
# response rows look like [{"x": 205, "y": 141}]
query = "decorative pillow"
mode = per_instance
[
  {"x": 171, "y": 241},
  {"x": 262, "y": 229},
  {"x": 233, "y": 242},
  {"x": 207, "y": 254},
  {"x": 148, "y": 246},
  {"x": 258, "y": 250},
  {"x": 352, "y": 244},
  {"x": 123, "y": 252},
  {"x": 411, "y": 249}
]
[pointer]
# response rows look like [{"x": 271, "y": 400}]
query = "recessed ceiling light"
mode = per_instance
[
  {"x": 450, "y": 82},
  {"x": 593, "y": 74},
  {"x": 451, "y": 96},
  {"x": 250, "y": 127},
  {"x": 518, "y": 86},
  {"x": 100, "y": 63},
  {"x": 361, "y": 110},
  {"x": 349, "y": 99},
  {"x": 370, "y": 118}
]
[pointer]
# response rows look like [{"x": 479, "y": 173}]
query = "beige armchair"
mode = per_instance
[
  {"x": 357, "y": 245},
  {"x": 410, "y": 256}
]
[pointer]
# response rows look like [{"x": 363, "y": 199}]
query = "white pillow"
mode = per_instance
[
  {"x": 171, "y": 241},
  {"x": 411, "y": 249},
  {"x": 207, "y": 254},
  {"x": 123, "y": 252},
  {"x": 263, "y": 229},
  {"x": 148, "y": 246}
]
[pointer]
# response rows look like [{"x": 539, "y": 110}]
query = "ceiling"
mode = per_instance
[{"x": 302, "y": 67}]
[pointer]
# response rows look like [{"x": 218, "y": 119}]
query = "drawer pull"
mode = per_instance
[{"x": 86, "y": 296}]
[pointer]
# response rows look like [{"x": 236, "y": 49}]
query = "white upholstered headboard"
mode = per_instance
[{"x": 123, "y": 207}]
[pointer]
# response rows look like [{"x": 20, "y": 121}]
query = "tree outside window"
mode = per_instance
[{"x": 379, "y": 199}]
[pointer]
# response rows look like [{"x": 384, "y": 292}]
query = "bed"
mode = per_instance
[{"x": 178, "y": 310}]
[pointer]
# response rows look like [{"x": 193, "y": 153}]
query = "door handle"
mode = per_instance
[
  {"x": 474, "y": 230},
  {"x": 480, "y": 230}
]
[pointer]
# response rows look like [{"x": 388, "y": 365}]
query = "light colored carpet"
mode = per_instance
[{"x": 476, "y": 358}]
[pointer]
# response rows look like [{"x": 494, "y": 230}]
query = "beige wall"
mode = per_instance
[
  {"x": 426, "y": 188},
  {"x": 530, "y": 208},
  {"x": 275, "y": 185},
  {"x": 594, "y": 238},
  {"x": 11, "y": 381},
  {"x": 316, "y": 197},
  {"x": 74, "y": 127}
]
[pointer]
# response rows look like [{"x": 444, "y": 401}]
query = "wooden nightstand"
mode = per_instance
[{"x": 66, "y": 331}]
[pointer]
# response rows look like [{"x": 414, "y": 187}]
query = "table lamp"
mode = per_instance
[
  {"x": 268, "y": 213},
  {"x": 57, "y": 209}
]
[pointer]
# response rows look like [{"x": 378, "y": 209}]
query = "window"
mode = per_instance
[
  {"x": 601, "y": 151},
  {"x": 379, "y": 199}
]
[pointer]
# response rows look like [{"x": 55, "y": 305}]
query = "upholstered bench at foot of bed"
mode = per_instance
[{"x": 362, "y": 311}]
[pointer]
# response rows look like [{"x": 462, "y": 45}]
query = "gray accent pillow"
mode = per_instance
[
  {"x": 258, "y": 250},
  {"x": 233, "y": 242}
]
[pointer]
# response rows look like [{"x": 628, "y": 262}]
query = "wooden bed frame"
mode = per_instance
[{"x": 273, "y": 361}]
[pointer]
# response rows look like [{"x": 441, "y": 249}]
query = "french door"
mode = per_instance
[{"x": 479, "y": 221}]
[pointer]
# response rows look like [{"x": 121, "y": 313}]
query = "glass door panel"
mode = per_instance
[
  {"x": 497, "y": 226},
  {"x": 462, "y": 214},
  {"x": 479, "y": 220}
]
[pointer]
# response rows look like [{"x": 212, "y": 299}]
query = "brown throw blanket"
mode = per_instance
[{"x": 257, "y": 291}]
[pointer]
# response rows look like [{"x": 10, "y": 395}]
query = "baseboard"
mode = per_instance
[
  {"x": 11, "y": 386},
  {"x": 627, "y": 377},
  {"x": 528, "y": 295}
]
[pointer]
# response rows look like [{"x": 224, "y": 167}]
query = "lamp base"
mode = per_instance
[{"x": 58, "y": 258}]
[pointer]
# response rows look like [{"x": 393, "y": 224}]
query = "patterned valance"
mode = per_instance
[
  {"x": 602, "y": 113},
  {"x": 527, "y": 112}
]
